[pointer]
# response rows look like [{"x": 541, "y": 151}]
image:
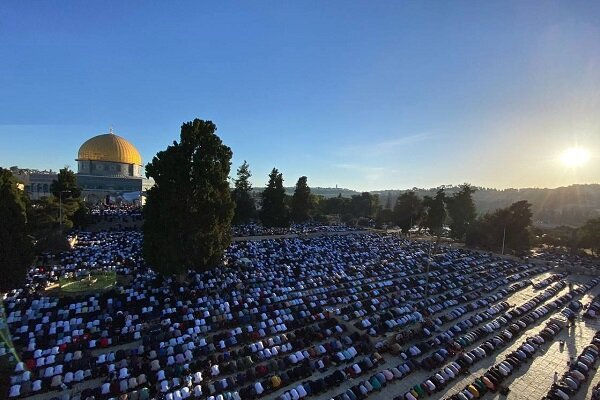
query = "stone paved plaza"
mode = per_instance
[{"x": 533, "y": 380}]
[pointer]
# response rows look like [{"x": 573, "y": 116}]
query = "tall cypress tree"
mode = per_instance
[
  {"x": 301, "y": 201},
  {"x": 274, "y": 212},
  {"x": 242, "y": 195},
  {"x": 16, "y": 249},
  {"x": 188, "y": 211}
]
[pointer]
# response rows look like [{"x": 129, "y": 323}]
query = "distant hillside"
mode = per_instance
[{"x": 570, "y": 205}]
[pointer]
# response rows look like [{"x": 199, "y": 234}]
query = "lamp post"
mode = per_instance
[{"x": 503, "y": 238}]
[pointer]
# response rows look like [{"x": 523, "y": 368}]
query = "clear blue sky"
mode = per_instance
[{"x": 366, "y": 95}]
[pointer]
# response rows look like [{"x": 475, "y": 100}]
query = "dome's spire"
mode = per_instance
[{"x": 110, "y": 130}]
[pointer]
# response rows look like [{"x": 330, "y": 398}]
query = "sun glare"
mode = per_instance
[{"x": 575, "y": 157}]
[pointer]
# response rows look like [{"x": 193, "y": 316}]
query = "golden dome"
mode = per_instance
[{"x": 109, "y": 147}]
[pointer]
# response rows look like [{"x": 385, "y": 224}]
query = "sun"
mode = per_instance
[{"x": 575, "y": 157}]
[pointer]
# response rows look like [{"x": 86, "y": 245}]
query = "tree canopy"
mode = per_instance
[
  {"x": 16, "y": 249},
  {"x": 364, "y": 205},
  {"x": 461, "y": 210},
  {"x": 65, "y": 185},
  {"x": 590, "y": 235},
  {"x": 274, "y": 212},
  {"x": 408, "y": 210},
  {"x": 67, "y": 201},
  {"x": 435, "y": 212},
  {"x": 301, "y": 201},
  {"x": 512, "y": 222},
  {"x": 388, "y": 202},
  {"x": 384, "y": 216},
  {"x": 49, "y": 217},
  {"x": 245, "y": 209},
  {"x": 517, "y": 221},
  {"x": 188, "y": 211},
  {"x": 334, "y": 205}
]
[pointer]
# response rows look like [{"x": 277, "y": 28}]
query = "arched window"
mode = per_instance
[
  {"x": 39, "y": 187},
  {"x": 45, "y": 188}
]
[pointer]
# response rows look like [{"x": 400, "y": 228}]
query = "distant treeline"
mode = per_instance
[{"x": 571, "y": 205}]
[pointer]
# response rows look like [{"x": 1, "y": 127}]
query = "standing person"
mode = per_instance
[{"x": 555, "y": 377}]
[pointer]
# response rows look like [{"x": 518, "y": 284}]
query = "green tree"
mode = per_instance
[
  {"x": 559, "y": 236},
  {"x": 364, "y": 205},
  {"x": 245, "y": 209},
  {"x": 274, "y": 212},
  {"x": 16, "y": 250},
  {"x": 43, "y": 216},
  {"x": 511, "y": 224},
  {"x": 65, "y": 185},
  {"x": 188, "y": 211},
  {"x": 461, "y": 210},
  {"x": 51, "y": 216},
  {"x": 590, "y": 235},
  {"x": 384, "y": 216},
  {"x": 517, "y": 220},
  {"x": 335, "y": 205},
  {"x": 408, "y": 210},
  {"x": 435, "y": 212},
  {"x": 388, "y": 201},
  {"x": 316, "y": 207},
  {"x": 301, "y": 201},
  {"x": 68, "y": 198},
  {"x": 477, "y": 233},
  {"x": 43, "y": 223}
]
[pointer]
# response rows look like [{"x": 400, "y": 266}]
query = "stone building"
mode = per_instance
[{"x": 35, "y": 183}]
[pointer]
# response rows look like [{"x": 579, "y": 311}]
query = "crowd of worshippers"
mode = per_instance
[
  {"x": 516, "y": 322},
  {"x": 125, "y": 212},
  {"x": 564, "y": 257},
  {"x": 269, "y": 320},
  {"x": 577, "y": 374},
  {"x": 253, "y": 229},
  {"x": 596, "y": 389},
  {"x": 592, "y": 309},
  {"x": 129, "y": 213},
  {"x": 118, "y": 251},
  {"x": 492, "y": 379}
]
